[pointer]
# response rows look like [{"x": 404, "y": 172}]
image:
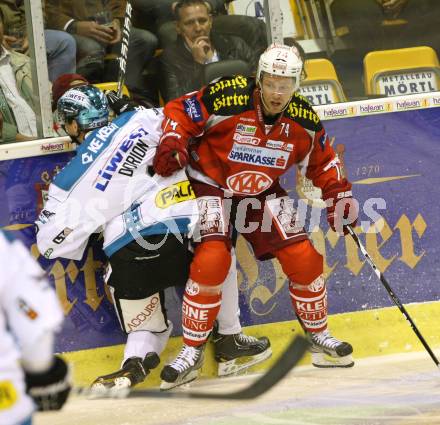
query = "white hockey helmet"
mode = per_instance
[{"x": 282, "y": 60}]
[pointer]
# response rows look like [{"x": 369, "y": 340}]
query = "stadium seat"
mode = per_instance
[
  {"x": 223, "y": 68},
  {"x": 401, "y": 71},
  {"x": 112, "y": 86},
  {"x": 321, "y": 85}
]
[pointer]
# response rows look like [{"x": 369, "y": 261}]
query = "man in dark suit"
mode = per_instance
[{"x": 183, "y": 61}]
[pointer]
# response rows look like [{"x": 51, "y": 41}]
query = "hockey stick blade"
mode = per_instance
[{"x": 289, "y": 359}]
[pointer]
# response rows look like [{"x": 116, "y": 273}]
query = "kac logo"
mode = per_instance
[{"x": 249, "y": 182}]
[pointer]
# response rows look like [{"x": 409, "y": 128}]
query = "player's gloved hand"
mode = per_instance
[
  {"x": 120, "y": 104},
  {"x": 342, "y": 209},
  {"x": 50, "y": 389},
  {"x": 171, "y": 155}
]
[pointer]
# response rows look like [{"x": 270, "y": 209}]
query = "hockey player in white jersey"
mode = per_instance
[
  {"x": 30, "y": 314},
  {"x": 147, "y": 221}
]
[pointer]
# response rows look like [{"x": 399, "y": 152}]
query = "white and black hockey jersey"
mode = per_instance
[
  {"x": 109, "y": 185},
  {"x": 29, "y": 311}
]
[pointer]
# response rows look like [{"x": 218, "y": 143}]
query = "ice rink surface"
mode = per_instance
[{"x": 402, "y": 389}]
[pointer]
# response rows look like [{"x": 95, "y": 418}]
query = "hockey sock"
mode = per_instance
[
  {"x": 310, "y": 304},
  {"x": 304, "y": 267},
  {"x": 200, "y": 307}
]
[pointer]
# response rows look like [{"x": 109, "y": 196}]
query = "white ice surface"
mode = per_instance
[{"x": 402, "y": 389}]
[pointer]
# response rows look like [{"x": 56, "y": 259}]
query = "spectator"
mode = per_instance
[
  {"x": 60, "y": 47},
  {"x": 183, "y": 61},
  {"x": 18, "y": 120},
  {"x": 63, "y": 83},
  {"x": 94, "y": 40},
  {"x": 160, "y": 17},
  {"x": 158, "y": 13}
]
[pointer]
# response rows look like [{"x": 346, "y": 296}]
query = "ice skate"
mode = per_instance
[
  {"x": 184, "y": 369},
  {"x": 328, "y": 351},
  {"x": 238, "y": 352},
  {"x": 133, "y": 372}
]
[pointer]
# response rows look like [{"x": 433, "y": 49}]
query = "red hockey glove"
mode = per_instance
[
  {"x": 171, "y": 155},
  {"x": 342, "y": 209}
]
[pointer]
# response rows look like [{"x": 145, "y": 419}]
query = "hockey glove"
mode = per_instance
[
  {"x": 50, "y": 389},
  {"x": 171, "y": 155},
  {"x": 120, "y": 104},
  {"x": 342, "y": 209}
]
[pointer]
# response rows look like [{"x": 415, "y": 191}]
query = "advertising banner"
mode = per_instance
[{"x": 392, "y": 160}]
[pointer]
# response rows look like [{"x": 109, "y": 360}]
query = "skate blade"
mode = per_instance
[
  {"x": 97, "y": 390},
  {"x": 102, "y": 387},
  {"x": 101, "y": 390},
  {"x": 165, "y": 386},
  {"x": 232, "y": 367},
  {"x": 116, "y": 383},
  {"x": 323, "y": 360}
]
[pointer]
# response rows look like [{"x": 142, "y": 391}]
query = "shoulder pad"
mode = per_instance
[
  {"x": 229, "y": 95},
  {"x": 300, "y": 111}
]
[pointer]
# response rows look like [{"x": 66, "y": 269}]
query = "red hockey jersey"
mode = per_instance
[{"x": 231, "y": 145}]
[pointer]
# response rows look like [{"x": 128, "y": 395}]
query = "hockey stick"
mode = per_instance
[
  {"x": 289, "y": 359},
  {"x": 392, "y": 294},
  {"x": 124, "y": 48}
]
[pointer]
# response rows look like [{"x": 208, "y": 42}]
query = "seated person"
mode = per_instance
[
  {"x": 182, "y": 62},
  {"x": 60, "y": 46},
  {"x": 17, "y": 118},
  {"x": 160, "y": 12},
  {"x": 251, "y": 29},
  {"x": 96, "y": 26}
]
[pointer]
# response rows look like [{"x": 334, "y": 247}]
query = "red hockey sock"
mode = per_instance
[
  {"x": 304, "y": 267},
  {"x": 199, "y": 310},
  {"x": 310, "y": 304}
]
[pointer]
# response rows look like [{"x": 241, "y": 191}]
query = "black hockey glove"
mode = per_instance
[
  {"x": 120, "y": 104},
  {"x": 50, "y": 389}
]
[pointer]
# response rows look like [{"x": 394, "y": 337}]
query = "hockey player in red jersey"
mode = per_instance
[{"x": 238, "y": 136}]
